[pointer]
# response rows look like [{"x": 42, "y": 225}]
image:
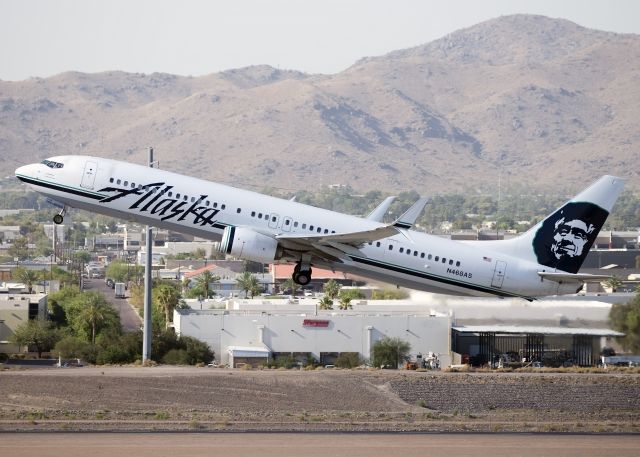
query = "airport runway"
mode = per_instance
[{"x": 315, "y": 444}]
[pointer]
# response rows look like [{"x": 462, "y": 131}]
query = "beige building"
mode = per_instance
[{"x": 16, "y": 309}]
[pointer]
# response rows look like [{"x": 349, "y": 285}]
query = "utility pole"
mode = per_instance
[{"x": 146, "y": 330}]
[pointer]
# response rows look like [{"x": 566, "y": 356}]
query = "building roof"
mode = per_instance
[
  {"x": 285, "y": 271},
  {"x": 519, "y": 330}
]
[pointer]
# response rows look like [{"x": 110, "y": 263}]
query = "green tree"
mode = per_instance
[
  {"x": 390, "y": 352},
  {"x": 20, "y": 248},
  {"x": 203, "y": 283},
  {"x": 83, "y": 256},
  {"x": 247, "y": 283},
  {"x": 291, "y": 284},
  {"x": 331, "y": 289},
  {"x": 74, "y": 347},
  {"x": 166, "y": 297},
  {"x": 27, "y": 277},
  {"x": 612, "y": 283},
  {"x": 89, "y": 314},
  {"x": 625, "y": 318},
  {"x": 345, "y": 303},
  {"x": 39, "y": 333},
  {"x": 325, "y": 303}
]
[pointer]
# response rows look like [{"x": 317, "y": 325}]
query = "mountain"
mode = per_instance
[{"x": 536, "y": 101}]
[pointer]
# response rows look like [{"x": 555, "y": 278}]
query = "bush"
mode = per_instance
[
  {"x": 390, "y": 352},
  {"x": 348, "y": 360},
  {"x": 176, "y": 357},
  {"x": 113, "y": 354}
]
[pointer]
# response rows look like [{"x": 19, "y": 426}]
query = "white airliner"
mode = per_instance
[{"x": 543, "y": 261}]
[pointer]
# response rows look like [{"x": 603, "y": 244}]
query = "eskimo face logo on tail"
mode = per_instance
[
  {"x": 564, "y": 239},
  {"x": 156, "y": 199}
]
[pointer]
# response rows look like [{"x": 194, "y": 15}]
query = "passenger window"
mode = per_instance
[
  {"x": 326, "y": 231},
  {"x": 215, "y": 204},
  {"x": 319, "y": 230},
  {"x": 223, "y": 206},
  {"x": 170, "y": 194},
  {"x": 444, "y": 260},
  {"x": 311, "y": 228},
  {"x": 401, "y": 250},
  {"x": 259, "y": 215},
  {"x": 273, "y": 219},
  {"x": 429, "y": 257},
  {"x": 304, "y": 226},
  {"x": 295, "y": 224},
  {"x": 207, "y": 203},
  {"x": 378, "y": 244},
  {"x": 238, "y": 210},
  {"x": 287, "y": 222},
  {"x": 391, "y": 247},
  {"x": 415, "y": 253},
  {"x": 422, "y": 255},
  {"x": 193, "y": 199},
  {"x": 408, "y": 251},
  {"x": 437, "y": 258},
  {"x": 118, "y": 181},
  {"x": 178, "y": 196},
  {"x": 133, "y": 185},
  {"x": 126, "y": 183},
  {"x": 110, "y": 179},
  {"x": 450, "y": 262},
  {"x": 253, "y": 214},
  {"x": 458, "y": 263}
]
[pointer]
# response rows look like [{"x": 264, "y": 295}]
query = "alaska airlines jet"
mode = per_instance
[{"x": 543, "y": 261}]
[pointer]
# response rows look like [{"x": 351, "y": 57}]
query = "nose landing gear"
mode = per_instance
[{"x": 58, "y": 218}]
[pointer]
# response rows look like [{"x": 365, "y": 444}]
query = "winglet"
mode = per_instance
[
  {"x": 378, "y": 213},
  {"x": 410, "y": 216}
]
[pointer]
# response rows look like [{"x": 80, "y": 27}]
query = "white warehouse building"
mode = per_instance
[{"x": 253, "y": 331}]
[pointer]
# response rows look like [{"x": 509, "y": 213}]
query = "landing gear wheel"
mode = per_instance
[
  {"x": 57, "y": 219},
  {"x": 302, "y": 277}
]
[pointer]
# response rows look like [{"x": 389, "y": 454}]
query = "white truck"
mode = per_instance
[{"x": 120, "y": 290}]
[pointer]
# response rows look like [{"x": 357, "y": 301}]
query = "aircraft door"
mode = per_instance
[
  {"x": 286, "y": 224},
  {"x": 89, "y": 174},
  {"x": 273, "y": 220},
  {"x": 498, "y": 274}
]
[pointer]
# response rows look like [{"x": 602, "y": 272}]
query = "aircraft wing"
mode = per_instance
[
  {"x": 351, "y": 238},
  {"x": 572, "y": 277}
]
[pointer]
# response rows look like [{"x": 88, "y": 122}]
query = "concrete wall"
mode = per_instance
[{"x": 346, "y": 332}]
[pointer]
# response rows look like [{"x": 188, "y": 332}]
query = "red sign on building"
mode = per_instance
[{"x": 315, "y": 323}]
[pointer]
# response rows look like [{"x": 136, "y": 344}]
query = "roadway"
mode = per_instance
[{"x": 129, "y": 317}]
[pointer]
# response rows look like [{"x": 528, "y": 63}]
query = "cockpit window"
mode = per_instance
[{"x": 52, "y": 164}]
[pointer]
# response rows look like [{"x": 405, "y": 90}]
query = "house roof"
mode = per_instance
[{"x": 285, "y": 271}]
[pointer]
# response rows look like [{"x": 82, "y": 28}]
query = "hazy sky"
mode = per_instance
[{"x": 193, "y": 37}]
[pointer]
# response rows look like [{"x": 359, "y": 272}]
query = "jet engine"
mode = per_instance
[{"x": 250, "y": 245}]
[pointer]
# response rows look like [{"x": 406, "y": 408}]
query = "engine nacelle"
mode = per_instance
[{"x": 250, "y": 245}]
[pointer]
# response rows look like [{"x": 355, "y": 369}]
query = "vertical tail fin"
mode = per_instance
[{"x": 562, "y": 240}]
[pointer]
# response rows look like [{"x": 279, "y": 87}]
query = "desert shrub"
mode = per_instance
[
  {"x": 348, "y": 360},
  {"x": 113, "y": 354},
  {"x": 390, "y": 352},
  {"x": 176, "y": 357}
]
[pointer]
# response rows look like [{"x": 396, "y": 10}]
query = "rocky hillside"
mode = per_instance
[{"x": 539, "y": 101}]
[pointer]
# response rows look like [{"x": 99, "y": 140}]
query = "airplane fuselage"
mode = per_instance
[{"x": 205, "y": 209}]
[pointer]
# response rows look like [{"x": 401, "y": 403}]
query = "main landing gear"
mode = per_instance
[
  {"x": 58, "y": 218},
  {"x": 302, "y": 273}
]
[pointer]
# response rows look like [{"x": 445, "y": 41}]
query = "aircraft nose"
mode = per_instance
[{"x": 24, "y": 171}]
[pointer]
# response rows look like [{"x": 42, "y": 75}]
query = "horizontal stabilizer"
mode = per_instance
[
  {"x": 410, "y": 216},
  {"x": 378, "y": 213},
  {"x": 572, "y": 277}
]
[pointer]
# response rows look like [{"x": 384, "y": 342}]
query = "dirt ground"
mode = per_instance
[{"x": 210, "y": 399}]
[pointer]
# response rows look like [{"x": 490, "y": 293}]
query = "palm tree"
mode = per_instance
[
  {"x": 167, "y": 298},
  {"x": 93, "y": 314},
  {"x": 291, "y": 284},
  {"x": 204, "y": 282},
  {"x": 248, "y": 283},
  {"x": 345, "y": 303},
  {"x": 28, "y": 277},
  {"x": 331, "y": 289},
  {"x": 325, "y": 303}
]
